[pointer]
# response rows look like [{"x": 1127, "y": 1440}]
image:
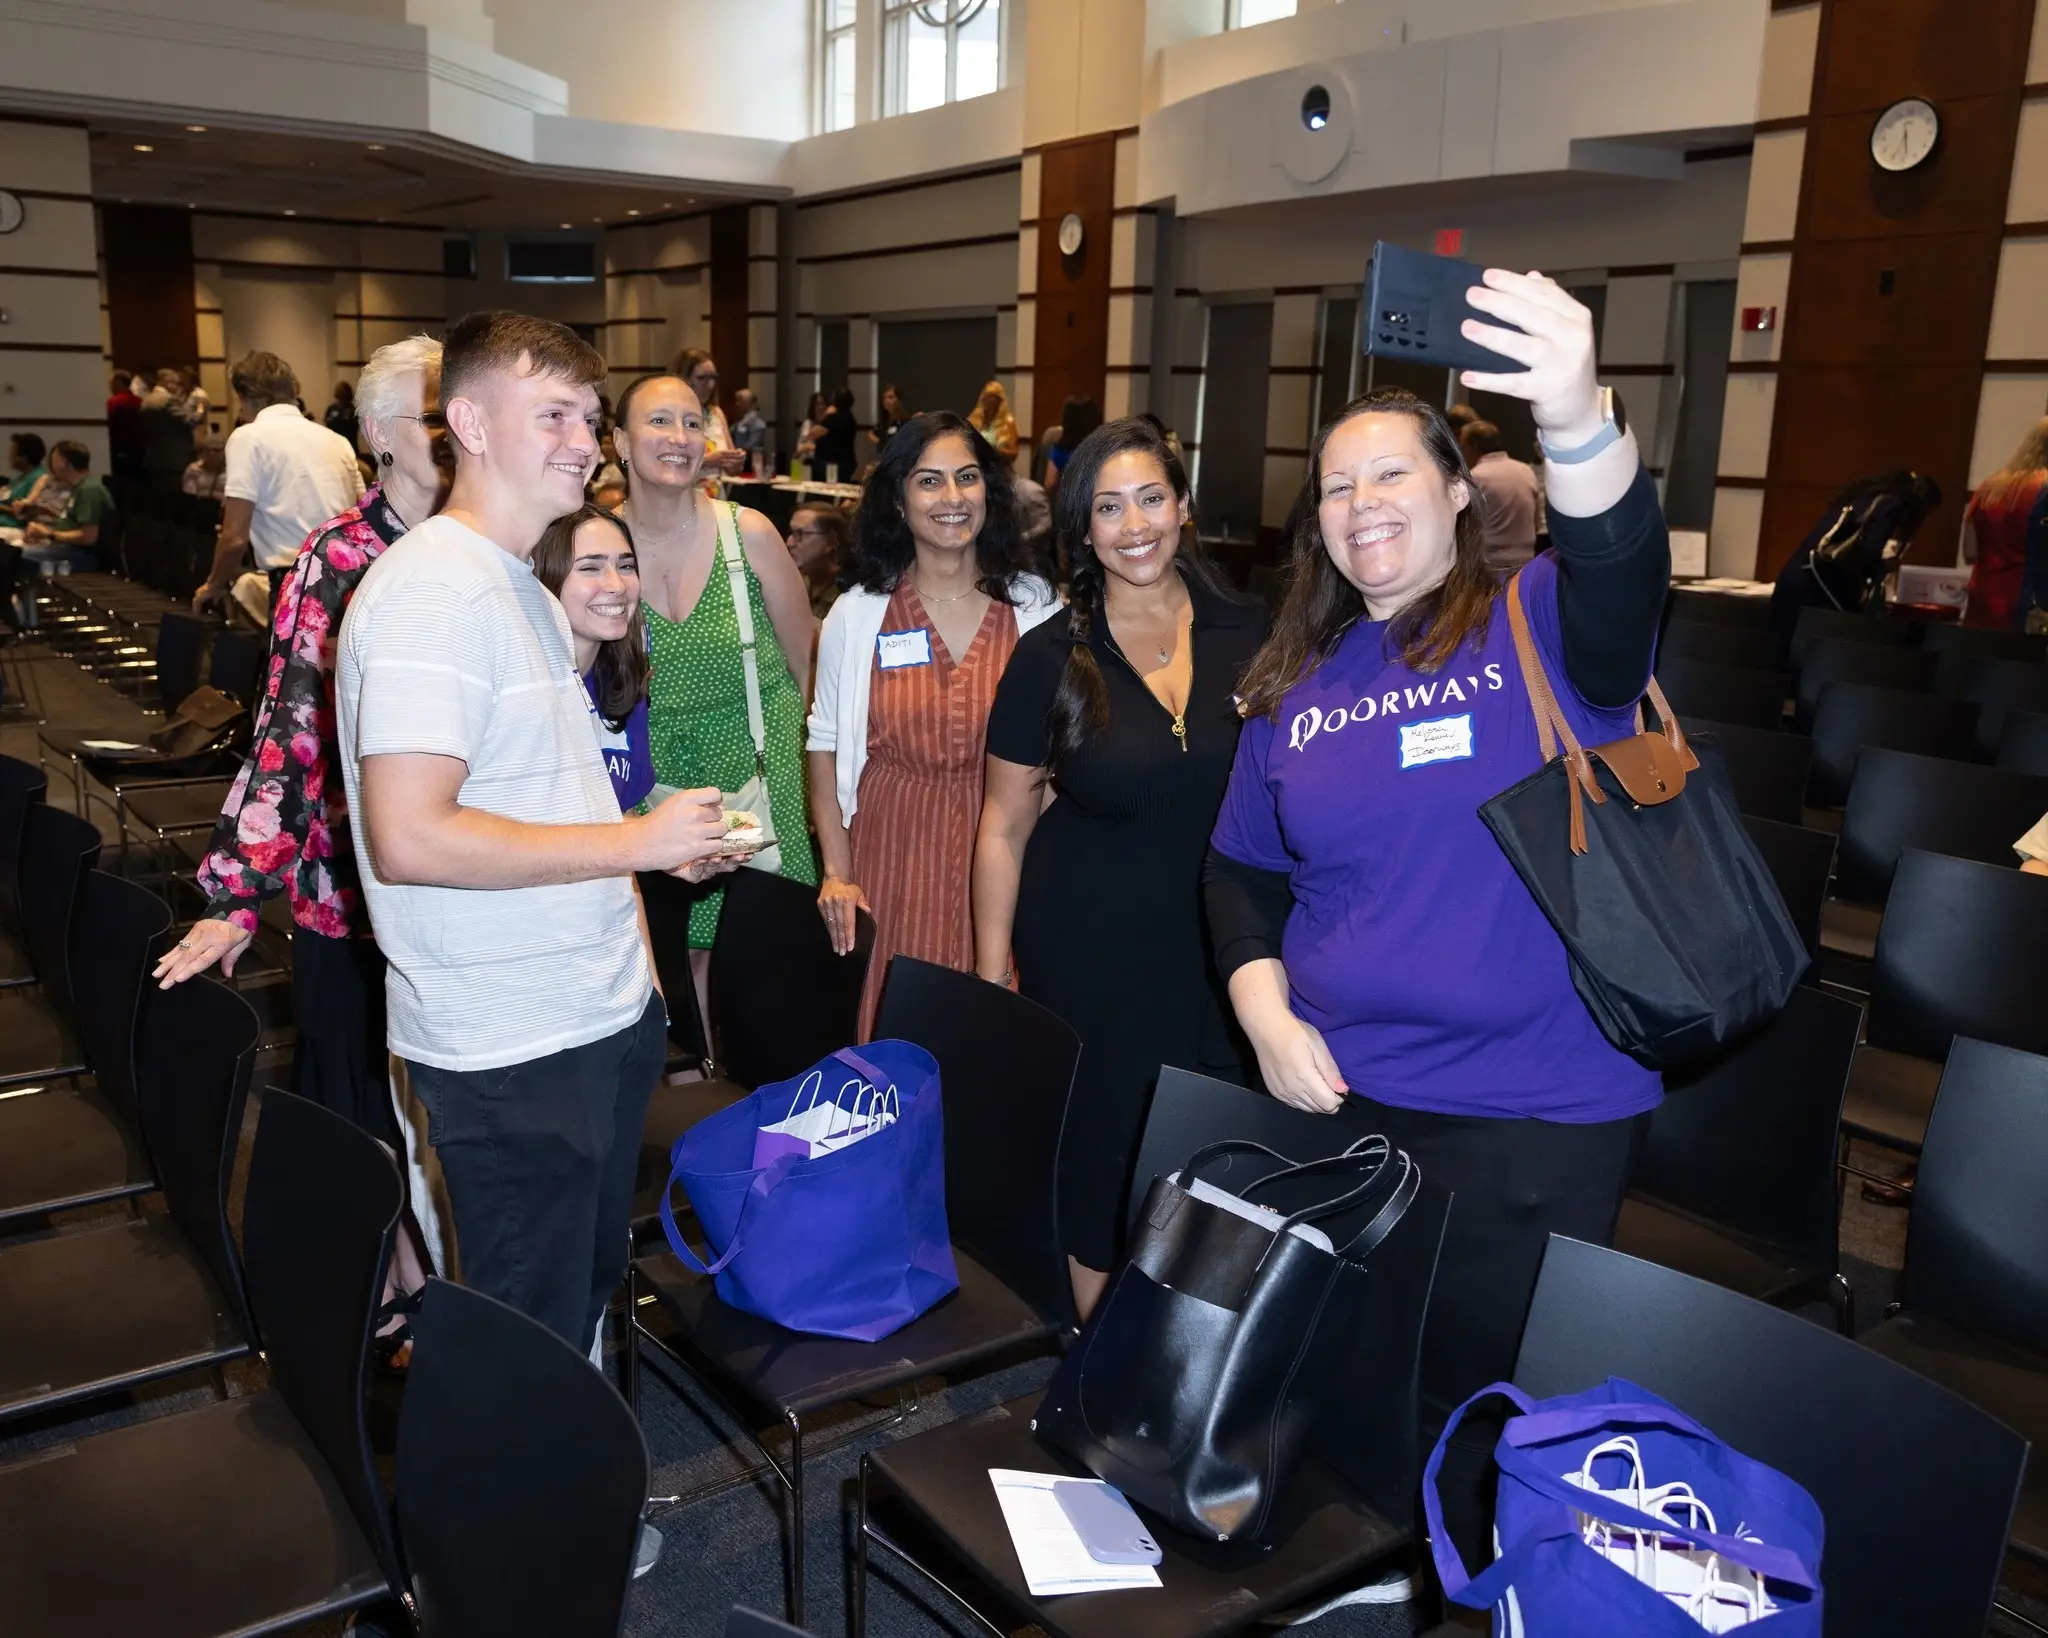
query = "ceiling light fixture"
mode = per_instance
[
  {"x": 196, "y": 130},
  {"x": 291, "y": 213},
  {"x": 144, "y": 148},
  {"x": 632, "y": 213},
  {"x": 374, "y": 147},
  {"x": 566, "y": 226}
]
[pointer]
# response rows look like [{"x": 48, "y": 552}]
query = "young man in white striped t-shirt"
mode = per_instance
[{"x": 496, "y": 867}]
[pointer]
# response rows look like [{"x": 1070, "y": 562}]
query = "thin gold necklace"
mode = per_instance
[{"x": 925, "y": 597}]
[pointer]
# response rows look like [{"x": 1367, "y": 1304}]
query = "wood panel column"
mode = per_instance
[
  {"x": 1071, "y": 336},
  {"x": 1888, "y": 307},
  {"x": 147, "y": 249}
]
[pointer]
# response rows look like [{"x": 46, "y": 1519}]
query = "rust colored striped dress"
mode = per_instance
[{"x": 920, "y": 793}]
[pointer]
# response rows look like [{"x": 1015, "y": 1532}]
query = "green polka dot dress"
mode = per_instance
[{"x": 697, "y": 721}]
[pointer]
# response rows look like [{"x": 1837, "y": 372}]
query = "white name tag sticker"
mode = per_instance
[
  {"x": 1441, "y": 739},
  {"x": 901, "y": 648}
]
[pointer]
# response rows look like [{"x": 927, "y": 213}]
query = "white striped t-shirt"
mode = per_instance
[{"x": 450, "y": 647}]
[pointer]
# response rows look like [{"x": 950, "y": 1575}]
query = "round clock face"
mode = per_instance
[
  {"x": 10, "y": 212},
  {"x": 1070, "y": 234},
  {"x": 1904, "y": 134}
]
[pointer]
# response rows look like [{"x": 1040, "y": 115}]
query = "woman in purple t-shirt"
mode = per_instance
[
  {"x": 586, "y": 559},
  {"x": 1382, "y": 955}
]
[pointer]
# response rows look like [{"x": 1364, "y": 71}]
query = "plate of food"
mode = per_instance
[{"x": 743, "y": 835}]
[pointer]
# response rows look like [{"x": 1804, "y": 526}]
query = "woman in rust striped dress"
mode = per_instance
[{"x": 908, "y": 662}]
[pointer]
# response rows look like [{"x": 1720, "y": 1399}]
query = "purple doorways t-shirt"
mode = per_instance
[{"x": 1413, "y": 946}]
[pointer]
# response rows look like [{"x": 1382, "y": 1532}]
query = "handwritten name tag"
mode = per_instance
[
  {"x": 901, "y": 648},
  {"x": 1441, "y": 739}
]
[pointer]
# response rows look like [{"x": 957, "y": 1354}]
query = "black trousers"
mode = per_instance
[
  {"x": 340, "y": 1060},
  {"x": 540, "y": 1159},
  {"x": 1516, "y": 1183}
]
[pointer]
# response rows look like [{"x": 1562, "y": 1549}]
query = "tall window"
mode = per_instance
[
  {"x": 840, "y": 107},
  {"x": 939, "y": 51},
  {"x": 1244, "y": 13}
]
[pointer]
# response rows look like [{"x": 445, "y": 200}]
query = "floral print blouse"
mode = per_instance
[{"x": 284, "y": 827}]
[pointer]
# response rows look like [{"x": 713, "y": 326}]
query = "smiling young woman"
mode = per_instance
[
  {"x": 1123, "y": 714},
  {"x": 935, "y": 601}
]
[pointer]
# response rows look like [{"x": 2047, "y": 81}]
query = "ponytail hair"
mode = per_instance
[{"x": 1080, "y": 706}]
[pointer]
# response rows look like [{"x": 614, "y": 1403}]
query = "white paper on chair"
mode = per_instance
[
  {"x": 110, "y": 745},
  {"x": 1049, "y": 1548}
]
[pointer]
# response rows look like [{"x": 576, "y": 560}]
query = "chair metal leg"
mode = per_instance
[
  {"x": 858, "y": 1613},
  {"x": 1842, "y": 1298},
  {"x": 795, "y": 1484},
  {"x": 630, "y": 1365},
  {"x": 2005, "y": 1610}
]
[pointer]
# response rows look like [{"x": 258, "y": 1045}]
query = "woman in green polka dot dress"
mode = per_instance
[{"x": 697, "y": 715}]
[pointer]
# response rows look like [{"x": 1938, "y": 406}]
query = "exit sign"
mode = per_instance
[{"x": 1450, "y": 241}]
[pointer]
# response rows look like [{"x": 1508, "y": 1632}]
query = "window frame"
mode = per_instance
[
  {"x": 1234, "y": 16},
  {"x": 827, "y": 35},
  {"x": 894, "y": 20}
]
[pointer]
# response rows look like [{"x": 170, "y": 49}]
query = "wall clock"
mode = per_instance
[
  {"x": 1070, "y": 233},
  {"x": 1905, "y": 134},
  {"x": 10, "y": 211}
]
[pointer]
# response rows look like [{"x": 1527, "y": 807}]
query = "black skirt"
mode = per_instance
[{"x": 341, "y": 1061}]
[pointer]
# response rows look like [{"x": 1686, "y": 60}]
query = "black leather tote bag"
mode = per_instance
[
  {"x": 1196, "y": 1382},
  {"x": 1679, "y": 940}
]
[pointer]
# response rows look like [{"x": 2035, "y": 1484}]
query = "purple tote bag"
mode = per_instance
[
  {"x": 1547, "y": 1583},
  {"x": 850, "y": 1244}
]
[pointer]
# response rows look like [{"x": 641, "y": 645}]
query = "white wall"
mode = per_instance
[
  {"x": 56, "y": 394},
  {"x": 736, "y": 67}
]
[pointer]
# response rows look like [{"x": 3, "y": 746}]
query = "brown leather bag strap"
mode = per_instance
[{"x": 1551, "y": 726}]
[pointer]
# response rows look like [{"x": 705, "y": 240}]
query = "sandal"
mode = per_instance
[{"x": 391, "y": 1351}]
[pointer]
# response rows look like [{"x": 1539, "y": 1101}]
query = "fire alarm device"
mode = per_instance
[{"x": 1759, "y": 318}]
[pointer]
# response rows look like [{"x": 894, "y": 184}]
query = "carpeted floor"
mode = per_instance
[{"x": 728, "y": 1547}]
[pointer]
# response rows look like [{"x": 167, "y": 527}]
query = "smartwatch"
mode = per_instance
[{"x": 1610, "y": 432}]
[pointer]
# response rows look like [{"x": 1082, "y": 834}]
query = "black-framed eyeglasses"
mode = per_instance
[{"x": 430, "y": 421}]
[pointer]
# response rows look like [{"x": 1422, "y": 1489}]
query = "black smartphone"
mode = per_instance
[{"x": 1415, "y": 303}]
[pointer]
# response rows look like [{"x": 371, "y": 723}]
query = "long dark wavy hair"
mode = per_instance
[
  {"x": 620, "y": 674},
  {"x": 1321, "y": 605},
  {"x": 1080, "y": 707},
  {"x": 882, "y": 547}
]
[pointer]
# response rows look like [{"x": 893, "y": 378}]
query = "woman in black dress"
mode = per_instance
[{"x": 1125, "y": 712}]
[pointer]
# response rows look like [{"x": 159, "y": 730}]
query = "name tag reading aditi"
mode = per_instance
[
  {"x": 901, "y": 648},
  {"x": 1442, "y": 739}
]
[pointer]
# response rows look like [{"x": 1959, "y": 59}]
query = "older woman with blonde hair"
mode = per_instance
[
  {"x": 1996, "y": 524},
  {"x": 284, "y": 828},
  {"x": 993, "y": 420}
]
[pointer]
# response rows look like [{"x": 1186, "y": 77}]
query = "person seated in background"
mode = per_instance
[
  {"x": 818, "y": 540},
  {"x": 1509, "y": 497},
  {"x": 750, "y": 430},
  {"x": 992, "y": 419},
  {"x": 833, "y": 458},
  {"x": 67, "y": 538},
  {"x": 207, "y": 476},
  {"x": 586, "y": 559},
  {"x": 340, "y": 418},
  {"x": 1859, "y": 540},
  {"x": 25, "y": 451},
  {"x": 285, "y": 477}
]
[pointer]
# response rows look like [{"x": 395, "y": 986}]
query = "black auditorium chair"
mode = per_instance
[
  {"x": 23, "y": 785},
  {"x": 1736, "y": 1178},
  {"x": 1006, "y": 1066},
  {"x": 1853, "y": 715},
  {"x": 180, "y": 653},
  {"x": 1725, "y": 693},
  {"x": 38, "y": 1025},
  {"x": 260, "y": 1513},
  {"x": 1767, "y": 766},
  {"x": 521, "y": 1478},
  {"x": 1720, "y": 608},
  {"x": 1898, "y": 800},
  {"x": 2023, "y": 747},
  {"x": 133, "y": 1300},
  {"x": 1820, "y": 625},
  {"x": 1961, "y": 953},
  {"x": 1960, "y": 647},
  {"x": 1753, "y": 647},
  {"x": 1999, "y": 688},
  {"x": 81, "y": 1143},
  {"x": 1917, "y": 1487},
  {"x": 927, "y": 1501},
  {"x": 1801, "y": 862},
  {"x": 1975, "y": 1312},
  {"x": 1836, "y": 660}
]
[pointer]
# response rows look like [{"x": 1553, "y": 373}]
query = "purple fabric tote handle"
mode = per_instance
[{"x": 764, "y": 1184}]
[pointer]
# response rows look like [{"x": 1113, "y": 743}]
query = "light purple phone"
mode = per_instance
[{"x": 1108, "y": 1528}]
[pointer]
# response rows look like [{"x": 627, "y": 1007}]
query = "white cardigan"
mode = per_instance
[{"x": 846, "y": 668}]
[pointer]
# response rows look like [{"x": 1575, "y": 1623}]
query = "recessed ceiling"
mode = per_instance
[{"x": 386, "y": 181}]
